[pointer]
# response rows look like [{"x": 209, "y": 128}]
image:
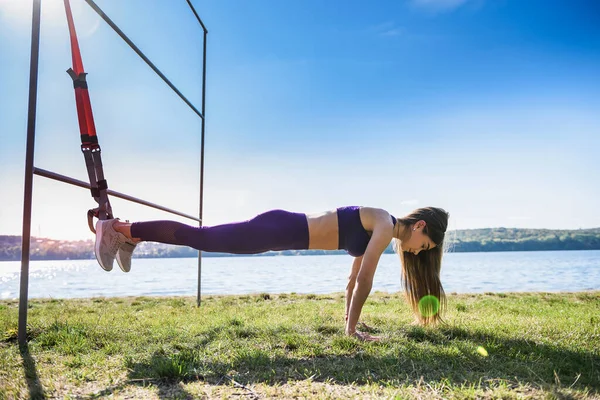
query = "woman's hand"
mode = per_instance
[{"x": 363, "y": 336}]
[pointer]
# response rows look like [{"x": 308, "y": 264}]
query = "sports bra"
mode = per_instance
[{"x": 353, "y": 237}]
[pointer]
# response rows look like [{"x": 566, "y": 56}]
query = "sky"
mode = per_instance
[{"x": 486, "y": 108}]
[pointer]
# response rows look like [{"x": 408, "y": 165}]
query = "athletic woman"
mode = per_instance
[{"x": 363, "y": 232}]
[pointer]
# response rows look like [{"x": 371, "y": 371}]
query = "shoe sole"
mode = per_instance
[
  {"x": 97, "y": 247},
  {"x": 119, "y": 262}
]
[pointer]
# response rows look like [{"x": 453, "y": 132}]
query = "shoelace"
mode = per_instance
[{"x": 115, "y": 243}]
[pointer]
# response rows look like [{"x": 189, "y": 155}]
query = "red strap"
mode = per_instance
[{"x": 82, "y": 97}]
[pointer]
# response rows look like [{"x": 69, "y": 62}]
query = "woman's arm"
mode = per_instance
[
  {"x": 352, "y": 282},
  {"x": 380, "y": 239}
]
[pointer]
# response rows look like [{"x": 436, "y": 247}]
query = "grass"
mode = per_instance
[{"x": 539, "y": 345}]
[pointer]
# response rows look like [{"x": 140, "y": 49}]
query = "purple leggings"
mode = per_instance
[{"x": 273, "y": 230}]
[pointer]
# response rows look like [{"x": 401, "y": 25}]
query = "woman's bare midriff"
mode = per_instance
[{"x": 323, "y": 230}]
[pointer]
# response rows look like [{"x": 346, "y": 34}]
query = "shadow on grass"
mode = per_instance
[
  {"x": 166, "y": 374},
  {"x": 447, "y": 354},
  {"x": 166, "y": 389},
  {"x": 36, "y": 390}
]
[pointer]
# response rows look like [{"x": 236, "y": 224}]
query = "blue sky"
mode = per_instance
[{"x": 488, "y": 109}]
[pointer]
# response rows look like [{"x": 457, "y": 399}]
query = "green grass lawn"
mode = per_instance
[{"x": 541, "y": 345}]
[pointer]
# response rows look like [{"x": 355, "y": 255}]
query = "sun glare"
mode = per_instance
[{"x": 17, "y": 13}]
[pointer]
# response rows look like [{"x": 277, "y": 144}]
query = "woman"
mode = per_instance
[{"x": 363, "y": 232}]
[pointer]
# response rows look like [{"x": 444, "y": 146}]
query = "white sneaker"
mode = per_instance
[
  {"x": 124, "y": 255},
  {"x": 108, "y": 242}
]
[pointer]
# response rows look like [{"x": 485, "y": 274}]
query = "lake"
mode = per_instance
[{"x": 548, "y": 271}]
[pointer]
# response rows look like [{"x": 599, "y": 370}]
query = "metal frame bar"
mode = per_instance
[
  {"x": 143, "y": 56},
  {"x": 30, "y": 169},
  {"x": 85, "y": 185},
  {"x": 199, "y": 293},
  {"x": 28, "y": 195}
]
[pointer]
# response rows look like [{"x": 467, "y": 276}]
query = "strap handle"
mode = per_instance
[{"x": 89, "y": 141}]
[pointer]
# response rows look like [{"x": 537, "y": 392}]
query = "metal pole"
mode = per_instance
[
  {"x": 142, "y": 55},
  {"x": 197, "y": 16},
  {"x": 26, "y": 235},
  {"x": 202, "y": 160},
  {"x": 86, "y": 185}
]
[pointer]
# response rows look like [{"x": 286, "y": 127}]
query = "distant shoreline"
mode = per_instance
[
  {"x": 460, "y": 241},
  {"x": 299, "y": 253}
]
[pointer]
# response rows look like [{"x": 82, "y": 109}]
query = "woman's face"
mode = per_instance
[{"x": 418, "y": 241}]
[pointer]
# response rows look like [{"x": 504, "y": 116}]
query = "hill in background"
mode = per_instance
[{"x": 468, "y": 240}]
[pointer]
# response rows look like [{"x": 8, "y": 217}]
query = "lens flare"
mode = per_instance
[
  {"x": 482, "y": 351},
  {"x": 429, "y": 306}
]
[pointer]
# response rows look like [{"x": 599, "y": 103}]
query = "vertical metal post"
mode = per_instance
[
  {"x": 26, "y": 236},
  {"x": 202, "y": 159}
]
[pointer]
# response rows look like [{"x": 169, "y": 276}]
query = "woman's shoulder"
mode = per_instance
[
  {"x": 375, "y": 212},
  {"x": 375, "y": 218}
]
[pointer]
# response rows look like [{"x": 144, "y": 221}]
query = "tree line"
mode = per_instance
[{"x": 467, "y": 240}]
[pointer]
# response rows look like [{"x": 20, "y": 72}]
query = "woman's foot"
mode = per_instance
[
  {"x": 111, "y": 244},
  {"x": 124, "y": 255},
  {"x": 107, "y": 243},
  {"x": 125, "y": 229},
  {"x": 126, "y": 250}
]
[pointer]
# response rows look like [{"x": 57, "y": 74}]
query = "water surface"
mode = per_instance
[{"x": 550, "y": 271}]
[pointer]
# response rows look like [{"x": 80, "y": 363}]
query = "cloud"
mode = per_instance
[{"x": 439, "y": 5}]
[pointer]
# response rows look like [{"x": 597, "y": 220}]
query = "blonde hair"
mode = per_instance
[{"x": 421, "y": 273}]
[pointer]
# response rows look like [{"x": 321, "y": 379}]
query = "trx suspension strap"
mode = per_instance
[{"x": 89, "y": 140}]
